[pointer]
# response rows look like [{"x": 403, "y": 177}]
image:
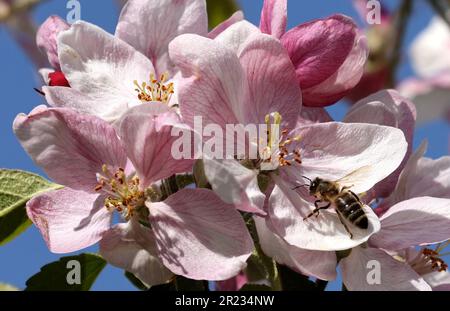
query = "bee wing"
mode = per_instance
[{"x": 356, "y": 177}]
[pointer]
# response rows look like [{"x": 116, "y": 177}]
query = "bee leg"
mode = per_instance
[
  {"x": 345, "y": 226},
  {"x": 316, "y": 211}
]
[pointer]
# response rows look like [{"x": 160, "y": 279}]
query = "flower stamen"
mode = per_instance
[
  {"x": 125, "y": 195},
  {"x": 155, "y": 90},
  {"x": 285, "y": 156},
  {"x": 433, "y": 257}
]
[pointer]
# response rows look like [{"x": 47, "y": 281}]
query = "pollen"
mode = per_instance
[
  {"x": 155, "y": 89},
  {"x": 286, "y": 156},
  {"x": 125, "y": 195},
  {"x": 437, "y": 264}
]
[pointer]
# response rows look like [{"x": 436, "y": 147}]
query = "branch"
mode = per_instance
[
  {"x": 17, "y": 6},
  {"x": 401, "y": 23},
  {"x": 442, "y": 9}
]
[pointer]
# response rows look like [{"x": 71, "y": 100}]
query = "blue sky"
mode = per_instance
[{"x": 25, "y": 255}]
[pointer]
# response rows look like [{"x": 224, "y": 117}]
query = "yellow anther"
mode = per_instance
[
  {"x": 124, "y": 193},
  {"x": 275, "y": 140},
  {"x": 156, "y": 90}
]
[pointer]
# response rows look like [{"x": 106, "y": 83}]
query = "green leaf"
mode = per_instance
[
  {"x": 7, "y": 288},
  {"x": 218, "y": 11},
  {"x": 16, "y": 189},
  {"x": 13, "y": 224},
  {"x": 259, "y": 265},
  {"x": 57, "y": 275},
  {"x": 135, "y": 281}
]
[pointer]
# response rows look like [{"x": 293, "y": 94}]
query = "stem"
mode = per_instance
[
  {"x": 441, "y": 9},
  {"x": 401, "y": 22},
  {"x": 23, "y": 31},
  {"x": 18, "y": 7},
  {"x": 269, "y": 264}
]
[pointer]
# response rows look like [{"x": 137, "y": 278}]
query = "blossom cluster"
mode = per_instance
[{"x": 113, "y": 103}]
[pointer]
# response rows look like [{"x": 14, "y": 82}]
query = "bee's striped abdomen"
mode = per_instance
[{"x": 352, "y": 210}]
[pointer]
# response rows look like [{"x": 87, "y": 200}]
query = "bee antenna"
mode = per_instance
[
  {"x": 307, "y": 178},
  {"x": 305, "y": 185}
]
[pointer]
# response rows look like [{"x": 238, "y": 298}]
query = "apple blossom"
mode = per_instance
[
  {"x": 328, "y": 54},
  {"x": 415, "y": 214},
  {"x": 243, "y": 76},
  {"x": 190, "y": 232},
  {"x": 421, "y": 176},
  {"x": 415, "y": 222},
  {"x": 108, "y": 74},
  {"x": 429, "y": 54},
  {"x": 388, "y": 108}
]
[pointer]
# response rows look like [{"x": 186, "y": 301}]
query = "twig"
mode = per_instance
[
  {"x": 442, "y": 9},
  {"x": 23, "y": 31},
  {"x": 18, "y": 6},
  {"x": 401, "y": 22}
]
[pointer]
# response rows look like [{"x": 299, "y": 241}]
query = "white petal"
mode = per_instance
[
  {"x": 317, "y": 264},
  {"x": 101, "y": 66},
  {"x": 359, "y": 272},
  {"x": 287, "y": 209}
]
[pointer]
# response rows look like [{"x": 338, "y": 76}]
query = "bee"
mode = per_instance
[{"x": 347, "y": 204}]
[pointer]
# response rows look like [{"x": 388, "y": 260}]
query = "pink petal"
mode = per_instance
[
  {"x": 271, "y": 80},
  {"x": 274, "y": 18},
  {"x": 214, "y": 80},
  {"x": 70, "y": 147},
  {"x": 58, "y": 96},
  {"x": 401, "y": 192},
  {"x": 387, "y": 108},
  {"x": 418, "y": 221},
  {"x": 439, "y": 281},
  {"x": 429, "y": 50},
  {"x": 148, "y": 139},
  {"x": 358, "y": 267},
  {"x": 317, "y": 264},
  {"x": 433, "y": 173},
  {"x": 318, "y": 50},
  {"x": 235, "y": 37},
  {"x": 431, "y": 96},
  {"x": 101, "y": 67},
  {"x": 287, "y": 209},
  {"x": 335, "y": 87},
  {"x": 232, "y": 285},
  {"x": 46, "y": 38},
  {"x": 150, "y": 25},
  {"x": 419, "y": 171},
  {"x": 311, "y": 115},
  {"x": 69, "y": 220},
  {"x": 235, "y": 184},
  {"x": 200, "y": 237},
  {"x": 334, "y": 150},
  {"x": 236, "y": 17},
  {"x": 132, "y": 247}
]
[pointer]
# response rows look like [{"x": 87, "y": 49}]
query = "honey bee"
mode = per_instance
[{"x": 347, "y": 204}]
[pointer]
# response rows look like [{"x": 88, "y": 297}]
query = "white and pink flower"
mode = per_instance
[
  {"x": 243, "y": 76},
  {"x": 190, "y": 232},
  {"x": 328, "y": 54}
]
